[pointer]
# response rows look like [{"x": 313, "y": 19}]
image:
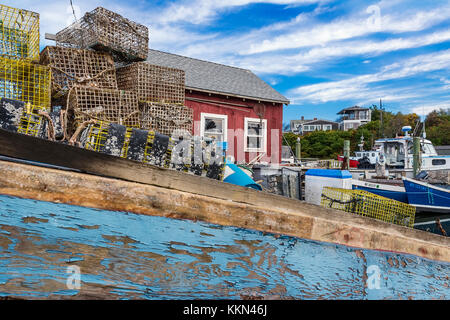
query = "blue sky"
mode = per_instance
[{"x": 323, "y": 55}]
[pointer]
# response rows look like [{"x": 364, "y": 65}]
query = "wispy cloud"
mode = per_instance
[
  {"x": 351, "y": 27},
  {"x": 203, "y": 11},
  {"x": 423, "y": 110},
  {"x": 362, "y": 87}
]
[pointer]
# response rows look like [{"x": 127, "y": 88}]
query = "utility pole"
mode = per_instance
[
  {"x": 381, "y": 120},
  {"x": 298, "y": 150},
  {"x": 347, "y": 154},
  {"x": 416, "y": 155}
]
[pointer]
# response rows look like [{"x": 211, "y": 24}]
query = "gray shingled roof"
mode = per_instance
[{"x": 218, "y": 78}]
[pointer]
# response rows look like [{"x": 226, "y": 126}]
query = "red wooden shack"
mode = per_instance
[{"x": 233, "y": 105}]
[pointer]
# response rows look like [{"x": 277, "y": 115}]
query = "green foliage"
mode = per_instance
[
  {"x": 437, "y": 126},
  {"x": 330, "y": 144}
]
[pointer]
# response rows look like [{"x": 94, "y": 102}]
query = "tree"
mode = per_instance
[{"x": 437, "y": 127}]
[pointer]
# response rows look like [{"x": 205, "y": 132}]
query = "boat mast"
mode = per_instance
[
  {"x": 424, "y": 134},
  {"x": 381, "y": 120}
]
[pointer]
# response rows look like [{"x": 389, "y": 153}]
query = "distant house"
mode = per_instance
[
  {"x": 307, "y": 125},
  {"x": 353, "y": 117},
  {"x": 232, "y": 105}
]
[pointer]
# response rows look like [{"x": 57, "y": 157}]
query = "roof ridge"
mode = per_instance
[{"x": 185, "y": 57}]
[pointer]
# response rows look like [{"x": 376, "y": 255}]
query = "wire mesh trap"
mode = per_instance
[
  {"x": 127, "y": 142},
  {"x": 34, "y": 122},
  {"x": 108, "y": 31},
  {"x": 193, "y": 156},
  {"x": 71, "y": 67},
  {"x": 153, "y": 83},
  {"x": 117, "y": 106},
  {"x": 16, "y": 116},
  {"x": 25, "y": 81},
  {"x": 369, "y": 205},
  {"x": 19, "y": 33},
  {"x": 166, "y": 118}
]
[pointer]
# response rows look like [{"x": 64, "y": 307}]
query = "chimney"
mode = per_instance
[
  {"x": 303, "y": 118},
  {"x": 315, "y": 118}
]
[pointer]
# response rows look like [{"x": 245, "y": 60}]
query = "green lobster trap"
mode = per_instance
[
  {"x": 25, "y": 81},
  {"x": 19, "y": 33},
  {"x": 370, "y": 205}
]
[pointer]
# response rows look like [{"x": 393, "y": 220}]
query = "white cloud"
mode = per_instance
[
  {"x": 349, "y": 27},
  {"x": 423, "y": 110},
  {"x": 360, "y": 87},
  {"x": 202, "y": 11},
  {"x": 291, "y": 64}
]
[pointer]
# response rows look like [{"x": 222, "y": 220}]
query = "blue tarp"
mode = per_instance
[
  {"x": 338, "y": 174},
  {"x": 240, "y": 178}
]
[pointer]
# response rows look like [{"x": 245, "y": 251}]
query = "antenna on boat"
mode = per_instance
[
  {"x": 424, "y": 134},
  {"x": 381, "y": 120}
]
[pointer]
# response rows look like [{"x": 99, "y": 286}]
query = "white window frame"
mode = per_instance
[
  {"x": 264, "y": 147},
  {"x": 224, "y": 117},
  {"x": 327, "y": 127}
]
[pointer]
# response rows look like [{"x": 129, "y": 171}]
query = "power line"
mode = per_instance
[{"x": 73, "y": 10}]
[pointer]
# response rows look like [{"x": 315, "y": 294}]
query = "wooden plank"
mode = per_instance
[
  {"x": 50, "y": 36},
  {"x": 293, "y": 186},
  {"x": 306, "y": 222}
]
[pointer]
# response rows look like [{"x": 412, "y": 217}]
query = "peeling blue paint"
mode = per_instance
[{"x": 128, "y": 256}]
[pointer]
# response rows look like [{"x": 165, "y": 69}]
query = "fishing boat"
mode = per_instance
[
  {"x": 363, "y": 159},
  {"x": 388, "y": 189},
  {"x": 398, "y": 153},
  {"x": 427, "y": 197}
]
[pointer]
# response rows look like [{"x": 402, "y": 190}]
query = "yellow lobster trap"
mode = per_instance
[
  {"x": 118, "y": 140},
  {"x": 19, "y": 33},
  {"x": 33, "y": 122},
  {"x": 25, "y": 81},
  {"x": 369, "y": 205}
]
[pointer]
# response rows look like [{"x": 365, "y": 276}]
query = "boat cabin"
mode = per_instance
[{"x": 398, "y": 153}]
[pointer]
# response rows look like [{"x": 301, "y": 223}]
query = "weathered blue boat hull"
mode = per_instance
[
  {"x": 395, "y": 195},
  {"x": 128, "y": 256},
  {"x": 426, "y": 197}
]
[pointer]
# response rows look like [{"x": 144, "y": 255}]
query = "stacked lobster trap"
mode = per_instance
[
  {"x": 107, "y": 31},
  {"x": 71, "y": 66},
  {"x": 161, "y": 93},
  {"x": 19, "y": 33},
  {"x": 193, "y": 155},
  {"x": 24, "y": 85},
  {"x": 93, "y": 90}
]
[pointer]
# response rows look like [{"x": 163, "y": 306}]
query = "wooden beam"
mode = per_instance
[
  {"x": 304, "y": 221},
  {"x": 50, "y": 36}
]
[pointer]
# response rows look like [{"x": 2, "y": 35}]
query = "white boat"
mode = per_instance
[{"x": 398, "y": 153}]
